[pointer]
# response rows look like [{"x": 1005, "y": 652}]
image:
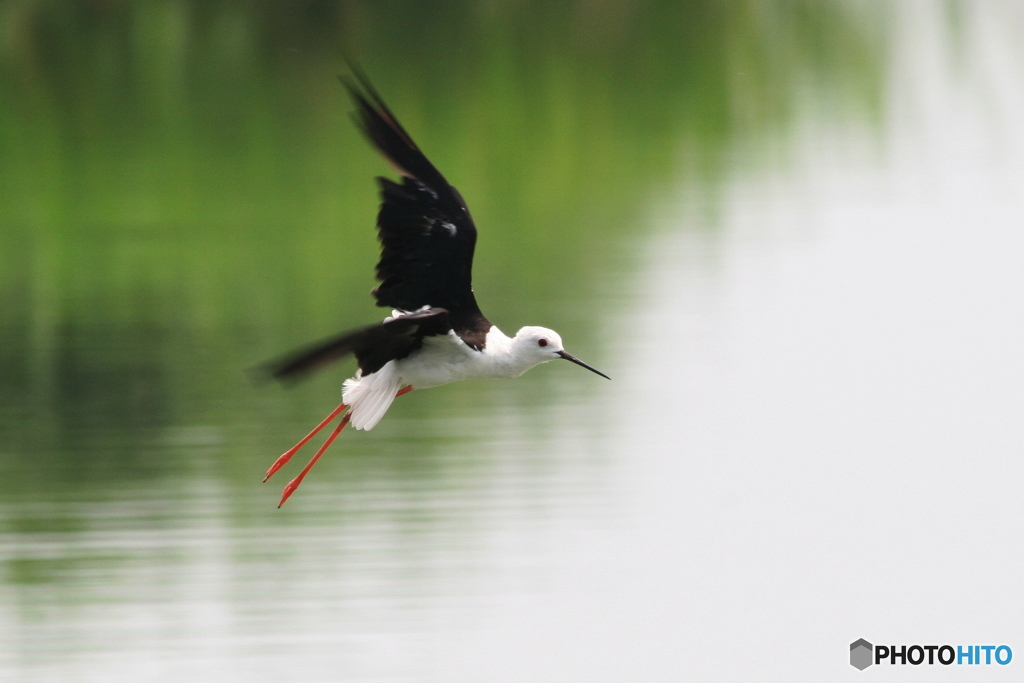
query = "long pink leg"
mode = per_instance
[
  {"x": 294, "y": 483},
  {"x": 287, "y": 455}
]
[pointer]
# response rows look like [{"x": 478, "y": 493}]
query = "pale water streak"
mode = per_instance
[{"x": 818, "y": 418}]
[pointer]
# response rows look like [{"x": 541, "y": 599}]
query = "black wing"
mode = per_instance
[
  {"x": 426, "y": 233},
  {"x": 373, "y": 345}
]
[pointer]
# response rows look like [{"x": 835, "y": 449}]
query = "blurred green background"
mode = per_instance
[{"x": 184, "y": 194}]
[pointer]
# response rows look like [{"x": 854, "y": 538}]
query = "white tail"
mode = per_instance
[{"x": 370, "y": 397}]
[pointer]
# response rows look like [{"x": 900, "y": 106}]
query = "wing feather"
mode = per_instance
[
  {"x": 427, "y": 235},
  {"x": 426, "y": 264},
  {"x": 373, "y": 345}
]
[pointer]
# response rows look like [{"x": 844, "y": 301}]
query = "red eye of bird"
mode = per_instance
[{"x": 542, "y": 342}]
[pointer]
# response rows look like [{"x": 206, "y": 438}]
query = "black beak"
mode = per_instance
[{"x": 568, "y": 356}]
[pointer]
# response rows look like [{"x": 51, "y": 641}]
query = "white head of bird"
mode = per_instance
[{"x": 535, "y": 345}]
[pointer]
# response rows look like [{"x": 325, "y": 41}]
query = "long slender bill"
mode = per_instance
[{"x": 569, "y": 357}]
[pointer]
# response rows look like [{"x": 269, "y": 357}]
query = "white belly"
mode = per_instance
[{"x": 447, "y": 359}]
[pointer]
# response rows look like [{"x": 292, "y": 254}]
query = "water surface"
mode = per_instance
[{"x": 789, "y": 232}]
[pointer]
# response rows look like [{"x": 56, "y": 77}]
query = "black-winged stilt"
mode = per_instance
[{"x": 436, "y": 333}]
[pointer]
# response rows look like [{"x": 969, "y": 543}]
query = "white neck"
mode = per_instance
[{"x": 507, "y": 356}]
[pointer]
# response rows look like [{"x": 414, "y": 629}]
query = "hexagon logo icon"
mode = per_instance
[{"x": 860, "y": 654}]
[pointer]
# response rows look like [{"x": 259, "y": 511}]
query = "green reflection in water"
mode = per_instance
[{"x": 184, "y": 196}]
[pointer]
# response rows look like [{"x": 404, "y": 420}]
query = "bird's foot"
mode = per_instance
[
  {"x": 294, "y": 483},
  {"x": 287, "y": 455}
]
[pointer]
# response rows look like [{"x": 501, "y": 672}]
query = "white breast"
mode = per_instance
[{"x": 445, "y": 359}]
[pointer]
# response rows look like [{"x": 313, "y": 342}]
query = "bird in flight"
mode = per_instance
[{"x": 436, "y": 333}]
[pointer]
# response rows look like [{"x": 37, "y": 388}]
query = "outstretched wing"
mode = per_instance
[
  {"x": 373, "y": 345},
  {"x": 427, "y": 235}
]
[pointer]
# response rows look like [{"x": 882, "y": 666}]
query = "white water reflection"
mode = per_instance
[
  {"x": 813, "y": 436},
  {"x": 818, "y": 419}
]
